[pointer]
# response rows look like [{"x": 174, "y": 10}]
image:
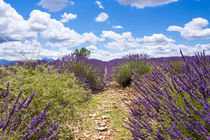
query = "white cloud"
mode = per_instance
[
  {"x": 56, "y": 33},
  {"x": 54, "y": 5},
  {"x": 74, "y": 40},
  {"x": 55, "y": 54},
  {"x": 92, "y": 48},
  {"x": 20, "y": 50},
  {"x": 164, "y": 50},
  {"x": 66, "y": 17},
  {"x": 193, "y": 29},
  {"x": 121, "y": 45},
  {"x": 99, "y": 4},
  {"x": 102, "y": 17},
  {"x": 115, "y": 36},
  {"x": 91, "y": 38},
  {"x": 156, "y": 45},
  {"x": 12, "y": 25},
  {"x": 156, "y": 39},
  {"x": 110, "y": 35},
  {"x": 117, "y": 27},
  {"x": 17, "y": 50},
  {"x": 145, "y": 3},
  {"x": 38, "y": 20},
  {"x": 24, "y": 34},
  {"x": 119, "y": 41},
  {"x": 205, "y": 47}
]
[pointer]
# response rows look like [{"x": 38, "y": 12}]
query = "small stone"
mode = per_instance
[
  {"x": 101, "y": 128},
  {"x": 87, "y": 134},
  {"x": 119, "y": 90},
  {"x": 114, "y": 103},
  {"x": 102, "y": 124},
  {"x": 101, "y": 137},
  {"x": 92, "y": 115},
  {"x": 105, "y": 117},
  {"x": 108, "y": 132},
  {"x": 97, "y": 122},
  {"x": 107, "y": 111}
]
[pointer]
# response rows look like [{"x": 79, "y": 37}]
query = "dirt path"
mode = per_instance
[{"x": 103, "y": 114}]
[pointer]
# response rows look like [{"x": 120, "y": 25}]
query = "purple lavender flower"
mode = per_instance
[
  {"x": 12, "y": 122},
  {"x": 180, "y": 109},
  {"x": 29, "y": 100}
]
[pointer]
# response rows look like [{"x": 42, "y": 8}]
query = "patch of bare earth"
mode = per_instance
[{"x": 103, "y": 115}]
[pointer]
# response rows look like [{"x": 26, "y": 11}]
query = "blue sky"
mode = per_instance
[{"x": 109, "y": 28}]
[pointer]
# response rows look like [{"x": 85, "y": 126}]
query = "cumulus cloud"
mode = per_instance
[
  {"x": 110, "y": 35},
  {"x": 54, "y": 5},
  {"x": 66, "y": 17},
  {"x": 14, "y": 28},
  {"x": 99, "y": 4},
  {"x": 74, "y": 41},
  {"x": 156, "y": 45},
  {"x": 117, "y": 27},
  {"x": 205, "y": 47},
  {"x": 126, "y": 40},
  {"x": 145, "y": 3},
  {"x": 12, "y": 25},
  {"x": 50, "y": 29},
  {"x": 55, "y": 54},
  {"x": 119, "y": 41},
  {"x": 102, "y": 17},
  {"x": 162, "y": 50},
  {"x": 18, "y": 50},
  {"x": 92, "y": 48},
  {"x": 193, "y": 29},
  {"x": 56, "y": 33},
  {"x": 156, "y": 39},
  {"x": 39, "y": 21}
]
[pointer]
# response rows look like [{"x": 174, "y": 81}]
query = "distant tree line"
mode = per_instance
[{"x": 82, "y": 52}]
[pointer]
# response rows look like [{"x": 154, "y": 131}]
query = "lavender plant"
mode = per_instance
[
  {"x": 110, "y": 67},
  {"x": 63, "y": 90},
  {"x": 84, "y": 69},
  {"x": 17, "y": 123},
  {"x": 130, "y": 65},
  {"x": 173, "y": 106}
]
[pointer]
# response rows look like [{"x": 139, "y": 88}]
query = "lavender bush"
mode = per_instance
[
  {"x": 130, "y": 65},
  {"x": 16, "y": 122},
  {"x": 86, "y": 70},
  {"x": 110, "y": 69},
  {"x": 63, "y": 90},
  {"x": 173, "y": 105}
]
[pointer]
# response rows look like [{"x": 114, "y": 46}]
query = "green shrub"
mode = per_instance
[
  {"x": 125, "y": 71},
  {"x": 63, "y": 90}
]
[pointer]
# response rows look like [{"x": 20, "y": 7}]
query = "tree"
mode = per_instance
[{"x": 82, "y": 52}]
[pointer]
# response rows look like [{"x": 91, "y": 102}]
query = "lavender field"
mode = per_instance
[
  {"x": 104, "y": 70},
  {"x": 139, "y": 98}
]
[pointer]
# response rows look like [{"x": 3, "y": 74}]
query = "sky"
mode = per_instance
[{"x": 110, "y": 29}]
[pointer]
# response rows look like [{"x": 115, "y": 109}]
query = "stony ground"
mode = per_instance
[{"x": 103, "y": 115}]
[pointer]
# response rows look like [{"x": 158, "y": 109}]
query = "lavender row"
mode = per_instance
[{"x": 171, "y": 104}]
